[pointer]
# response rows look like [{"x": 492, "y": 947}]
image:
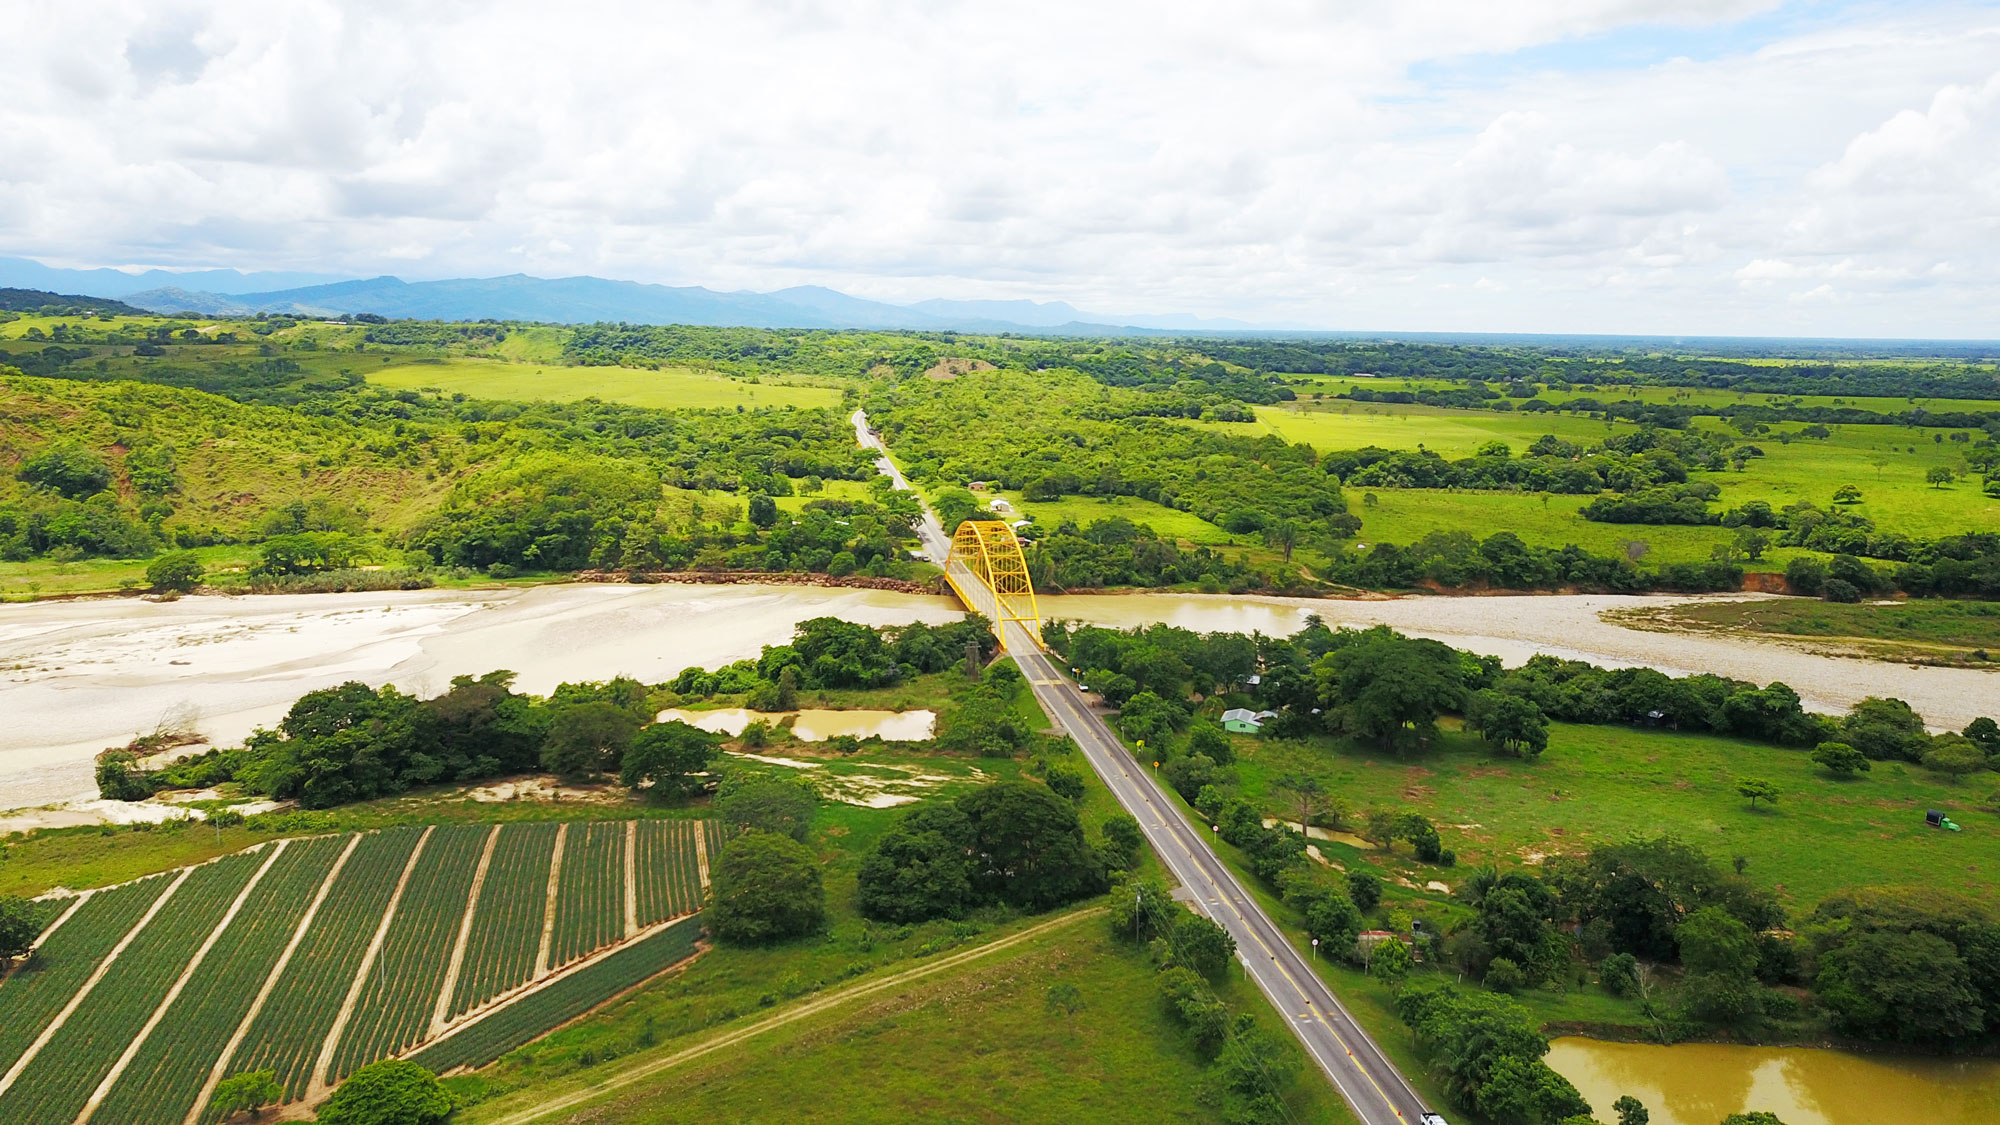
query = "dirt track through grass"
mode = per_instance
[{"x": 823, "y": 1003}]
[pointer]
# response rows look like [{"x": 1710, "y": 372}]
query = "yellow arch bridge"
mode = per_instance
[{"x": 987, "y": 571}]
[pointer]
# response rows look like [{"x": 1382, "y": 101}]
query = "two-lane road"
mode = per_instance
[
  {"x": 1357, "y": 1067},
  {"x": 1371, "y": 1084}
]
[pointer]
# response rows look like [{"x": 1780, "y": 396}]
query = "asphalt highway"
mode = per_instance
[{"x": 1372, "y": 1086}]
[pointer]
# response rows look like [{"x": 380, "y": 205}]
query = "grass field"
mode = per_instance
[
  {"x": 1400, "y": 515},
  {"x": 974, "y": 1042},
  {"x": 1598, "y": 784},
  {"x": 1887, "y": 463},
  {"x": 1933, "y": 628},
  {"x": 373, "y": 922},
  {"x": 668, "y": 388},
  {"x": 1678, "y": 396}
]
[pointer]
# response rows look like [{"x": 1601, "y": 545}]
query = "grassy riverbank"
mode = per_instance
[{"x": 1936, "y": 631}]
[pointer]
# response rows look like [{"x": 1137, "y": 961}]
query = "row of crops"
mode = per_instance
[
  {"x": 124, "y": 1014},
  {"x": 510, "y": 1027},
  {"x": 668, "y": 868}
]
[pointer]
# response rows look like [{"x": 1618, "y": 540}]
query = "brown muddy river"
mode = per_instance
[
  {"x": 78, "y": 676},
  {"x": 1702, "y": 1083}
]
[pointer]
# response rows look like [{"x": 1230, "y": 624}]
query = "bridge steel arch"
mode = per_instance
[{"x": 990, "y": 575}]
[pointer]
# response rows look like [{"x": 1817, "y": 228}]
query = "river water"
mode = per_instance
[
  {"x": 78, "y": 676},
  {"x": 1702, "y": 1083}
]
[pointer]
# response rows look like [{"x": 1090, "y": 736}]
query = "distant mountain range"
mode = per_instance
[{"x": 573, "y": 300}]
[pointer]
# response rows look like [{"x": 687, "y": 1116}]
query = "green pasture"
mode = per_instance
[
  {"x": 1943, "y": 625},
  {"x": 975, "y": 1042},
  {"x": 1451, "y": 433},
  {"x": 1310, "y": 386},
  {"x": 1401, "y": 515},
  {"x": 48, "y": 578},
  {"x": 1170, "y": 523},
  {"x": 1601, "y": 784},
  {"x": 1887, "y": 463},
  {"x": 668, "y": 388}
]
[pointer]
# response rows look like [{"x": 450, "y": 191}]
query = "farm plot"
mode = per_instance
[
  {"x": 288, "y": 1033},
  {"x": 395, "y": 1006},
  {"x": 167, "y": 1074},
  {"x": 527, "y": 1018},
  {"x": 590, "y": 898},
  {"x": 32, "y": 994},
  {"x": 312, "y": 957},
  {"x": 668, "y": 868},
  {"x": 507, "y": 929},
  {"x": 57, "y": 1081}
]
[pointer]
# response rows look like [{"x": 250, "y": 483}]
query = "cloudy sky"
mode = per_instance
[{"x": 1674, "y": 166}]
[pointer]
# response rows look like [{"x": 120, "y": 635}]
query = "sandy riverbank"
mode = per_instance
[{"x": 78, "y": 676}]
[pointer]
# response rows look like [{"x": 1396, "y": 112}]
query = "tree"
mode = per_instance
[
  {"x": 1122, "y": 838},
  {"x": 1510, "y": 721},
  {"x": 1390, "y": 686},
  {"x": 920, "y": 869},
  {"x": 1757, "y": 789},
  {"x": 1203, "y": 946},
  {"x": 586, "y": 739},
  {"x": 119, "y": 777},
  {"x": 1939, "y": 476},
  {"x": 1619, "y": 974},
  {"x": 389, "y": 1092},
  {"x": 1364, "y": 887},
  {"x": 176, "y": 572},
  {"x": 1306, "y": 796},
  {"x": 1631, "y": 1111},
  {"x": 1954, "y": 756},
  {"x": 766, "y": 887},
  {"x": 1885, "y": 729},
  {"x": 1752, "y": 542},
  {"x": 788, "y": 688},
  {"x": 68, "y": 468},
  {"x": 763, "y": 511},
  {"x": 1756, "y": 1117},
  {"x": 247, "y": 1092},
  {"x": 1390, "y": 961},
  {"x": 667, "y": 758},
  {"x": 1064, "y": 782},
  {"x": 1910, "y": 987},
  {"x": 1714, "y": 941},
  {"x": 1847, "y": 494},
  {"x": 768, "y": 804},
  {"x": 19, "y": 923},
  {"x": 1189, "y": 774},
  {"x": 1027, "y": 846},
  {"x": 1064, "y": 997},
  {"x": 1205, "y": 737},
  {"x": 1840, "y": 759},
  {"x": 1985, "y": 734}
]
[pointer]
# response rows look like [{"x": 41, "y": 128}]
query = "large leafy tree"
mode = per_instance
[
  {"x": 921, "y": 869},
  {"x": 1391, "y": 688},
  {"x": 1028, "y": 847},
  {"x": 20, "y": 921},
  {"x": 586, "y": 739},
  {"x": 1509, "y": 721},
  {"x": 766, "y": 887},
  {"x": 668, "y": 758},
  {"x": 389, "y": 1092}
]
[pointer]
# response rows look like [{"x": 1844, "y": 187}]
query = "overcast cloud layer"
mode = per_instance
[{"x": 1676, "y": 166}]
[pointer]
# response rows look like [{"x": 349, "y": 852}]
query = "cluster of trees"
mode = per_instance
[
  {"x": 1958, "y": 565},
  {"x": 767, "y": 883},
  {"x": 1379, "y": 685},
  {"x": 1115, "y": 552},
  {"x": 1453, "y": 559},
  {"x": 827, "y": 652},
  {"x": 356, "y": 743},
  {"x": 1250, "y": 1071},
  {"x": 1486, "y": 1051},
  {"x": 1043, "y": 436},
  {"x": 1012, "y": 843},
  {"x": 1623, "y": 463}
]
